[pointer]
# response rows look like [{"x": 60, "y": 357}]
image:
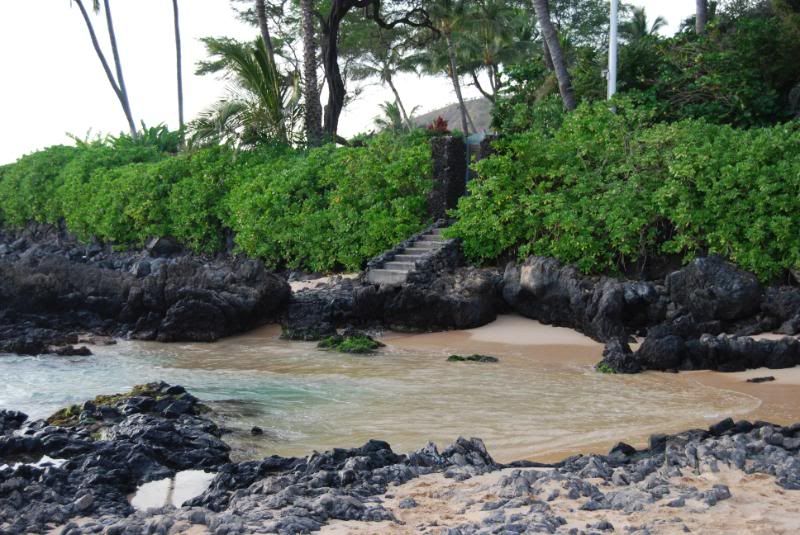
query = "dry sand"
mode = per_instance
[
  {"x": 313, "y": 283},
  {"x": 757, "y": 506}
]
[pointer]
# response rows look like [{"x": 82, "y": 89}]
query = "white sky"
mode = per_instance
[{"x": 53, "y": 83}]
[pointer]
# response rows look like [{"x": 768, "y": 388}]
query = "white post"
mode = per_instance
[{"x": 612, "y": 50}]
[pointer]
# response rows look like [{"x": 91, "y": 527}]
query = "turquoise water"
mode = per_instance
[{"x": 308, "y": 399}]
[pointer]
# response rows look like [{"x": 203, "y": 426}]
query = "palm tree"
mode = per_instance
[
  {"x": 701, "y": 17},
  {"x": 550, "y": 37},
  {"x": 394, "y": 119},
  {"x": 313, "y": 107},
  {"x": 448, "y": 18},
  {"x": 221, "y": 124},
  {"x": 263, "y": 105},
  {"x": 179, "y": 63},
  {"x": 261, "y": 15},
  {"x": 384, "y": 60},
  {"x": 638, "y": 27},
  {"x": 496, "y": 33},
  {"x": 118, "y": 83}
]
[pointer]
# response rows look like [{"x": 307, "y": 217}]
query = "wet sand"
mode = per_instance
[{"x": 777, "y": 402}]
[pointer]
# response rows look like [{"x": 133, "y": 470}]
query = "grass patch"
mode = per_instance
[{"x": 472, "y": 358}]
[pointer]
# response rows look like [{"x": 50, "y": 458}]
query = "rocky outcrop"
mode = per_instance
[
  {"x": 52, "y": 287},
  {"x": 600, "y": 307},
  {"x": 148, "y": 435},
  {"x": 459, "y": 299},
  {"x": 782, "y": 304},
  {"x": 712, "y": 289},
  {"x": 684, "y": 320},
  {"x": 463, "y": 299}
]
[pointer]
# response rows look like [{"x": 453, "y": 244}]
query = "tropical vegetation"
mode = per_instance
[{"x": 697, "y": 154}]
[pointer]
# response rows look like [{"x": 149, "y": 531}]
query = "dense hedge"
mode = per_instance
[
  {"x": 608, "y": 191},
  {"x": 321, "y": 209}
]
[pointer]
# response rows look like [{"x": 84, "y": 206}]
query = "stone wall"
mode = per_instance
[{"x": 449, "y": 174}]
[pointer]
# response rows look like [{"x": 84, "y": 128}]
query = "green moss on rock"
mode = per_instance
[
  {"x": 605, "y": 368},
  {"x": 359, "y": 344},
  {"x": 70, "y": 416}
]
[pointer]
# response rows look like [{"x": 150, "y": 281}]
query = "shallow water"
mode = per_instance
[
  {"x": 173, "y": 491},
  {"x": 541, "y": 398}
]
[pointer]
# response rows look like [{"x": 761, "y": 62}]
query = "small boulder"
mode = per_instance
[
  {"x": 473, "y": 358},
  {"x": 714, "y": 289},
  {"x": 163, "y": 246},
  {"x": 761, "y": 379}
]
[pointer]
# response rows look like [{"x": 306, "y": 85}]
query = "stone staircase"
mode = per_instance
[{"x": 398, "y": 265}]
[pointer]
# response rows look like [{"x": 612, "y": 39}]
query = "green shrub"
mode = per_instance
[
  {"x": 128, "y": 204},
  {"x": 28, "y": 187},
  {"x": 195, "y": 204},
  {"x": 608, "y": 191},
  {"x": 81, "y": 180},
  {"x": 331, "y": 208}
]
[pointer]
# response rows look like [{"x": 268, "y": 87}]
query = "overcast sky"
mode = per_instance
[{"x": 53, "y": 83}]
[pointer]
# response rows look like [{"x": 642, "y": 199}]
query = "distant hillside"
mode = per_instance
[{"x": 480, "y": 109}]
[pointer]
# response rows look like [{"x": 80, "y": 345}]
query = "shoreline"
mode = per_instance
[{"x": 777, "y": 402}]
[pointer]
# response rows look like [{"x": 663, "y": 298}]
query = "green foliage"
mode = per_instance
[
  {"x": 158, "y": 137},
  {"x": 743, "y": 71},
  {"x": 610, "y": 191},
  {"x": 83, "y": 179},
  {"x": 263, "y": 106},
  {"x": 332, "y": 208},
  {"x": 325, "y": 209},
  {"x": 28, "y": 187},
  {"x": 200, "y": 181}
]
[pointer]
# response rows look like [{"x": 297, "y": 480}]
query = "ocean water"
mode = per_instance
[{"x": 528, "y": 405}]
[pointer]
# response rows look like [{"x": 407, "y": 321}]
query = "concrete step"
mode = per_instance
[
  {"x": 437, "y": 231},
  {"x": 423, "y": 244},
  {"x": 432, "y": 238},
  {"x": 408, "y": 257},
  {"x": 420, "y": 250},
  {"x": 386, "y": 276},
  {"x": 400, "y": 266}
]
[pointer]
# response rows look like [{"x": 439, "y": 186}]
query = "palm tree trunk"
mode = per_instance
[
  {"x": 106, "y": 67},
  {"x": 313, "y": 108},
  {"x": 261, "y": 15},
  {"x": 456, "y": 85},
  {"x": 701, "y": 18},
  {"x": 179, "y": 64},
  {"x": 556, "y": 54},
  {"x": 126, "y": 105},
  {"x": 399, "y": 102},
  {"x": 477, "y": 83}
]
